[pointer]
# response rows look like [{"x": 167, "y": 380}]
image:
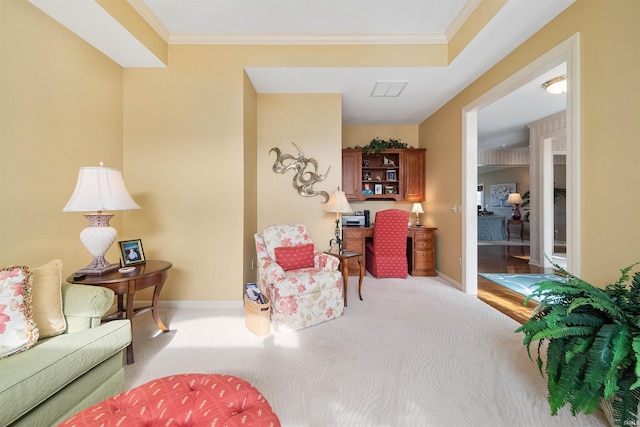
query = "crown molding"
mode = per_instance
[
  {"x": 306, "y": 39},
  {"x": 461, "y": 18},
  {"x": 141, "y": 7}
]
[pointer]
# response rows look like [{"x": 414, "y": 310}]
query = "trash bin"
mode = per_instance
[{"x": 257, "y": 316}]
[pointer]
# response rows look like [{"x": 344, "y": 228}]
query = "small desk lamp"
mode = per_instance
[
  {"x": 516, "y": 200},
  {"x": 99, "y": 189},
  {"x": 338, "y": 203},
  {"x": 417, "y": 209}
]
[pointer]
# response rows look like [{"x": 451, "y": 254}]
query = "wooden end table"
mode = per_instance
[
  {"x": 344, "y": 269},
  {"x": 515, "y": 222},
  {"x": 152, "y": 273}
]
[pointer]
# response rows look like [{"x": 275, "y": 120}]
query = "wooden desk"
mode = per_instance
[
  {"x": 420, "y": 248},
  {"x": 152, "y": 273}
]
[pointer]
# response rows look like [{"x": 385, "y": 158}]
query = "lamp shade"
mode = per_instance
[
  {"x": 100, "y": 189},
  {"x": 514, "y": 198},
  {"x": 417, "y": 208},
  {"x": 338, "y": 203}
]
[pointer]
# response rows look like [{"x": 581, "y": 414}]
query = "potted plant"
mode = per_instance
[
  {"x": 377, "y": 145},
  {"x": 593, "y": 338}
]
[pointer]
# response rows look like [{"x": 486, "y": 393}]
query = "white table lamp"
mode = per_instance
[
  {"x": 99, "y": 189},
  {"x": 417, "y": 209},
  {"x": 516, "y": 200},
  {"x": 338, "y": 203}
]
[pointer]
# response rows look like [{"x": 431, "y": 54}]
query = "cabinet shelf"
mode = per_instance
[{"x": 391, "y": 175}]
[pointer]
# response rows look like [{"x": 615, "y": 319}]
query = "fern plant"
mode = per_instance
[{"x": 593, "y": 349}]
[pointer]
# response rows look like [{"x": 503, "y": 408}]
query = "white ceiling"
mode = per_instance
[{"x": 345, "y": 22}]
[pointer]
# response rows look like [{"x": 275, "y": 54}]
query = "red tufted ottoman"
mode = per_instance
[{"x": 182, "y": 400}]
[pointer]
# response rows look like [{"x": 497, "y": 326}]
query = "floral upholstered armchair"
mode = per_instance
[{"x": 304, "y": 286}]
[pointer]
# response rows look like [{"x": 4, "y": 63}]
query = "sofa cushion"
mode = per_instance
[
  {"x": 295, "y": 257},
  {"x": 31, "y": 377},
  {"x": 47, "y": 299},
  {"x": 18, "y": 331}
]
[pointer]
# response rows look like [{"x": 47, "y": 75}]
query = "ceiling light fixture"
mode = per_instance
[
  {"x": 388, "y": 89},
  {"x": 556, "y": 85}
]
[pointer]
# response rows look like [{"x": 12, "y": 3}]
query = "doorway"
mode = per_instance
[{"x": 568, "y": 52}]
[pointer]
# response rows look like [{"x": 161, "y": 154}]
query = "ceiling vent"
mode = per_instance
[{"x": 388, "y": 89}]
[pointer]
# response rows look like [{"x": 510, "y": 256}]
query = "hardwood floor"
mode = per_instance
[{"x": 505, "y": 259}]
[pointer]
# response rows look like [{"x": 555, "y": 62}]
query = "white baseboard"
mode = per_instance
[{"x": 193, "y": 304}]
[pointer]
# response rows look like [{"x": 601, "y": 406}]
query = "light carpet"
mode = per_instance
[
  {"x": 415, "y": 352},
  {"x": 523, "y": 284}
]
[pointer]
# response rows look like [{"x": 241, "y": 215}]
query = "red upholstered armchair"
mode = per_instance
[{"x": 387, "y": 255}]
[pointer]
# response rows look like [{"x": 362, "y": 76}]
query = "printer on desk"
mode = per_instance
[{"x": 356, "y": 220}]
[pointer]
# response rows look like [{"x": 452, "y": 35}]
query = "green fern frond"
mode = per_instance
[
  {"x": 625, "y": 404},
  {"x": 564, "y": 332}
]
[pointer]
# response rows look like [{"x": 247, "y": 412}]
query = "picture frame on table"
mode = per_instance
[
  {"x": 132, "y": 252},
  {"x": 378, "y": 189},
  {"x": 391, "y": 175}
]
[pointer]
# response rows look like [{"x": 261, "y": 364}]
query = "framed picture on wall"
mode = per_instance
[
  {"x": 132, "y": 252},
  {"x": 499, "y": 193}
]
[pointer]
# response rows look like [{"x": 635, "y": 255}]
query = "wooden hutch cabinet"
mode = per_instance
[{"x": 391, "y": 175}]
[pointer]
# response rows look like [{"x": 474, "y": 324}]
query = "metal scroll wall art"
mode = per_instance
[{"x": 303, "y": 179}]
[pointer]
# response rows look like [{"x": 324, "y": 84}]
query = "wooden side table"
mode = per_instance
[
  {"x": 515, "y": 222},
  {"x": 152, "y": 273},
  {"x": 344, "y": 269}
]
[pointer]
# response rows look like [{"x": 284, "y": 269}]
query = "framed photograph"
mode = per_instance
[
  {"x": 366, "y": 175},
  {"x": 132, "y": 252},
  {"x": 390, "y": 189},
  {"x": 391, "y": 175},
  {"x": 499, "y": 194},
  {"x": 378, "y": 189}
]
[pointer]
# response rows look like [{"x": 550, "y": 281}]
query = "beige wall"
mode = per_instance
[
  {"x": 609, "y": 132},
  {"x": 313, "y": 122},
  {"x": 185, "y": 137},
  {"x": 60, "y": 109}
]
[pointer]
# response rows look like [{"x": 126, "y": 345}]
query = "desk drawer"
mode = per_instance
[
  {"x": 423, "y": 236},
  {"x": 354, "y": 245},
  {"x": 419, "y": 245},
  {"x": 423, "y": 263}
]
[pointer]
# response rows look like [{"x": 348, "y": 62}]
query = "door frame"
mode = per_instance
[{"x": 568, "y": 51}]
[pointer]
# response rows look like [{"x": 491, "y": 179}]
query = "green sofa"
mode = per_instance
[{"x": 62, "y": 375}]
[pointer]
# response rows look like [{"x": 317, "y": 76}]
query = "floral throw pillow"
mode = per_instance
[
  {"x": 18, "y": 331},
  {"x": 295, "y": 257}
]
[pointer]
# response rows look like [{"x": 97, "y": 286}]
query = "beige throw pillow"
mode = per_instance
[{"x": 46, "y": 298}]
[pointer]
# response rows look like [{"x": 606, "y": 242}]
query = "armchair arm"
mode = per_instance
[
  {"x": 272, "y": 272},
  {"x": 325, "y": 261},
  {"x": 84, "y": 305}
]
